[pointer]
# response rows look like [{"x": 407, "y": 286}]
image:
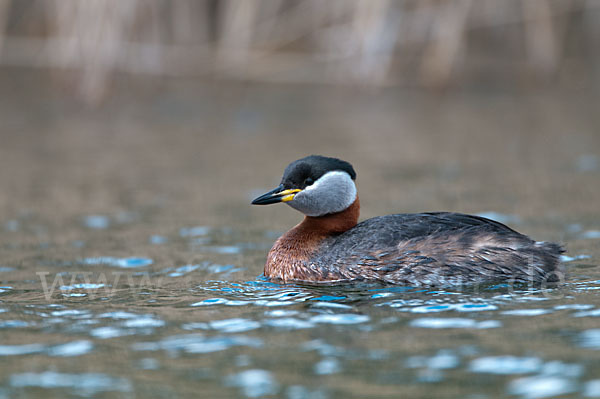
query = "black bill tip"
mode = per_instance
[{"x": 272, "y": 197}]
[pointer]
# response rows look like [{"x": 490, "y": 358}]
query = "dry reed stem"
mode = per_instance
[
  {"x": 4, "y": 9},
  {"x": 540, "y": 36},
  {"x": 336, "y": 41}
]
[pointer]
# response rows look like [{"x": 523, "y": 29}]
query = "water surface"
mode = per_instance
[{"x": 130, "y": 258}]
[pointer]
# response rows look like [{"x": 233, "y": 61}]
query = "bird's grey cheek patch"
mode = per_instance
[{"x": 333, "y": 192}]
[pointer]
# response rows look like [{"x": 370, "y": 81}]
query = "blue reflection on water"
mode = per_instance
[
  {"x": 567, "y": 258},
  {"x": 234, "y": 325},
  {"x": 194, "y": 231},
  {"x": 453, "y": 322},
  {"x": 85, "y": 383},
  {"x": 127, "y": 263},
  {"x": 197, "y": 343},
  {"x": 345, "y": 318},
  {"x": 143, "y": 321},
  {"x": 14, "y": 324},
  {"x": 82, "y": 286},
  {"x": 590, "y": 339},
  {"x": 327, "y": 366},
  {"x": 591, "y": 389},
  {"x": 328, "y": 298},
  {"x": 270, "y": 308},
  {"x": 223, "y": 249},
  {"x": 501, "y": 217},
  {"x": 526, "y": 312},
  {"x": 158, "y": 239},
  {"x": 254, "y": 383},
  {"x": 75, "y": 348},
  {"x": 505, "y": 365},
  {"x": 289, "y": 323},
  {"x": 590, "y": 234},
  {"x": 12, "y": 225},
  {"x": 180, "y": 271},
  {"x": 109, "y": 332},
  {"x": 444, "y": 359},
  {"x": 26, "y": 349},
  {"x": 541, "y": 387},
  {"x": 588, "y": 313},
  {"x": 98, "y": 222}
]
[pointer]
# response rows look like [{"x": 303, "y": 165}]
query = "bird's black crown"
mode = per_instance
[{"x": 307, "y": 170}]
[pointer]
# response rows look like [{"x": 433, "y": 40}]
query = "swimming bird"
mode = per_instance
[{"x": 421, "y": 249}]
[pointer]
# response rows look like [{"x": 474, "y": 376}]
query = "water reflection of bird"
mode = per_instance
[{"x": 438, "y": 248}]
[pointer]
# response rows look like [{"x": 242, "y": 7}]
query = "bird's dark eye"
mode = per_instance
[{"x": 308, "y": 181}]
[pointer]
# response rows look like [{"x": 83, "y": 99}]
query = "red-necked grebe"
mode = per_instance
[{"x": 432, "y": 249}]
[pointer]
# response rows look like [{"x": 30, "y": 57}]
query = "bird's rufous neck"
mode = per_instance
[
  {"x": 334, "y": 223},
  {"x": 288, "y": 258}
]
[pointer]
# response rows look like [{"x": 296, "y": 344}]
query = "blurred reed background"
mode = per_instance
[{"x": 426, "y": 43}]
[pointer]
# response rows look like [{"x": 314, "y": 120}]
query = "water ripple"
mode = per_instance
[
  {"x": 541, "y": 387},
  {"x": 566, "y": 258},
  {"x": 342, "y": 318},
  {"x": 526, "y": 312},
  {"x": 459, "y": 307},
  {"x": 588, "y": 313},
  {"x": 574, "y": 306},
  {"x": 98, "y": 222},
  {"x": 280, "y": 313},
  {"x": 118, "y": 315},
  {"x": 126, "y": 263},
  {"x": 505, "y": 365},
  {"x": 234, "y": 325},
  {"x": 590, "y": 235},
  {"x": 85, "y": 383},
  {"x": 158, "y": 239},
  {"x": 327, "y": 366},
  {"x": 501, "y": 217},
  {"x": 442, "y": 360},
  {"x": 197, "y": 343},
  {"x": 194, "y": 231},
  {"x": 330, "y": 305},
  {"x": 590, "y": 339},
  {"x": 454, "y": 323},
  {"x": 254, "y": 383},
  {"x": 143, "y": 321},
  {"x": 81, "y": 286},
  {"x": 70, "y": 312},
  {"x": 591, "y": 389},
  {"x": 75, "y": 348},
  {"x": 109, "y": 332},
  {"x": 14, "y": 324},
  {"x": 291, "y": 323},
  {"x": 16, "y": 350},
  {"x": 181, "y": 270}
]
